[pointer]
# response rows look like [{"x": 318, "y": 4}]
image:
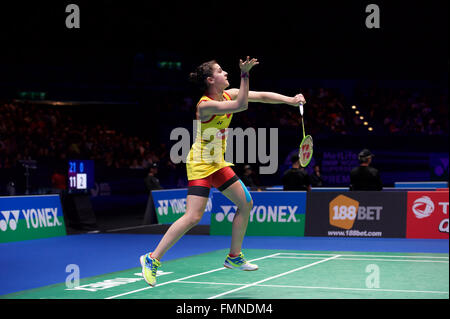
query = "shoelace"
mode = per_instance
[
  {"x": 239, "y": 260},
  {"x": 153, "y": 267}
]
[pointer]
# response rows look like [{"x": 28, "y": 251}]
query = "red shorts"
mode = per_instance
[{"x": 220, "y": 179}]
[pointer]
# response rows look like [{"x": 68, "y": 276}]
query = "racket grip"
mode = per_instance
[{"x": 301, "y": 109}]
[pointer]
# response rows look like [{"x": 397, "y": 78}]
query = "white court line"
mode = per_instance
[
  {"x": 126, "y": 228},
  {"x": 359, "y": 289},
  {"x": 210, "y": 283},
  {"x": 370, "y": 259},
  {"x": 187, "y": 277},
  {"x": 373, "y": 256},
  {"x": 273, "y": 277},
  {"x": 309, "y": 287}
]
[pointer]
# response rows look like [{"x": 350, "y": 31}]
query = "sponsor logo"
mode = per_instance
[
  {"x": 176, "y": 206},
  {"x": 423, "y": 207},
  {"x": 306, "y": 151},
  {"x": 111, "y": 283},
  {"x": 10, "y": 218},
  {"x": 222, "y": 134},
  {"x": 35, "y": 218},
  {"x": 428, "y": 214},
  {"x": 343, "y": 211},
  {"x": 443, "y": 226},
  {"x": 262, "y": 214}
]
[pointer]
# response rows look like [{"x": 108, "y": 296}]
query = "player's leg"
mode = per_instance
[
  {"x": 238, "y": 194},
  {"x": 196, "y": 201},
  {"x": 195, "y": 207},
  {"x": 235, "y": 190}
]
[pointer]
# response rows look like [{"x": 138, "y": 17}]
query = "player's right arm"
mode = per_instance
[{"x": 208, "y": 108}]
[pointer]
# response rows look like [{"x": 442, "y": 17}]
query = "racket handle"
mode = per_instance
[{"x": 301, "y": 109}]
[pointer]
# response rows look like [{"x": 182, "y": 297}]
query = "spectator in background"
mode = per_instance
[
  {"x": 59, "y": 182},
  {"x": 296, "y": 178},
  {"x": 135, "y": 164},
  {"x": 364, "y": 177},
  {"x": 316, "y": 179},
  {"x": 247, "y": 178},
  {"x": 151, "y": 181}
]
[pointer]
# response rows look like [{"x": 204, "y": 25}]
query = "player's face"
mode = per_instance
[{"x": 220, "y": 77}]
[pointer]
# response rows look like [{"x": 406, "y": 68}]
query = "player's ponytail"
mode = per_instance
[{"x": 201, "y": 73}]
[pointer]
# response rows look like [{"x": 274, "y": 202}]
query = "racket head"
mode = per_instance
[{"x": 305, "y": 152}]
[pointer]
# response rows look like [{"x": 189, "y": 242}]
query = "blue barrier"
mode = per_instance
[
  {"x": 409, "y": 185},
  {"x": 313, "y": 189}
]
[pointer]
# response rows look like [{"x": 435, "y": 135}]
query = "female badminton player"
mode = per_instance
[{"x": 205, "y": 163}]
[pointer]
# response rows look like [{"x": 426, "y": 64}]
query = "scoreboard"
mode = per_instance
[{"x": 80, "y": 175}]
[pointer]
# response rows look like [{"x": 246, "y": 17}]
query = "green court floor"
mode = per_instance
[{"x": 282, "y": 275}]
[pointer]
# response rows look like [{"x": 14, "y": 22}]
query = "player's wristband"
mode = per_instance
[{"x": 244, "y": 75}]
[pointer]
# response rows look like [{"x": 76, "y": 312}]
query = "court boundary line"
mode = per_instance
[
  {"x": 187, "y": 277},
  {"x": 367, "y": 259},
  {"x": 312, "y": 287},
  {"x": 354, "y": 255},
  {"x": 273, "y": 277}
]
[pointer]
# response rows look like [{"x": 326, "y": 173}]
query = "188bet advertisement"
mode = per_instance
[{"x": 356, "y": 214}]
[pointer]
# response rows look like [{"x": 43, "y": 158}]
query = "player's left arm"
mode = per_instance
[{"x": 269, "y": 97}]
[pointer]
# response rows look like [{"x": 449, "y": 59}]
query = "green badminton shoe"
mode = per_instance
[
  {"x": 239, "y": 262},
  {"x": 149, "y": 267}
]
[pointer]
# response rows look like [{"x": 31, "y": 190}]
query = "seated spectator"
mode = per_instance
[
  {"x": 247, "y": 177},
  {"x": 151, "y": 181},
  {"x": 59, "y": 182},
  {"x": 316, "y": 179},
  {"x": 296, "y": 178}
]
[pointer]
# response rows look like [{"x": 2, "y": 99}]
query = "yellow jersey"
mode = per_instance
[{"x": 207, "y": 153}]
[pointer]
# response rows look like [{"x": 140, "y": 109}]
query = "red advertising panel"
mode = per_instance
[{"x": 427, "y": 214}]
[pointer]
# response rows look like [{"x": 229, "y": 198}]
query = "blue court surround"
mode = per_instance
[{"x": 40, "y": 262}]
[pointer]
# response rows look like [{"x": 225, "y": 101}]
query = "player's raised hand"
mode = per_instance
[{"x": 248, "y": 64}]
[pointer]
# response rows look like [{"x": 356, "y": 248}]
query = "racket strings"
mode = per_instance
[
  {"x": 306, "y": 151},
  {"x": 306, "y": 146}
]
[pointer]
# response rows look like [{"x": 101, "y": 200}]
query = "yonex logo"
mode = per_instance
[
  {"x": 177, "y": 206},
  {"x": 163, "y": 208},
  {"x": 9, "y": 218},
  {"x": 261, "y": 214},
  {"x": 36, "y": 218},
  {"x": 221, "y": 134},
  {"x": 423, "y": 207},
  {"x": 305, "y": 151},
  {"x": 226, "y": 213}
]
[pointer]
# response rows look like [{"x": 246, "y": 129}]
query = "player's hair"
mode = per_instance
[{"x": 201, "y": 73}]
